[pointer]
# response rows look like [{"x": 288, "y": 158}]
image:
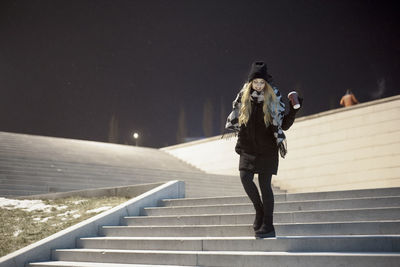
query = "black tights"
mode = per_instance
[{"x": 264, "y": 180}]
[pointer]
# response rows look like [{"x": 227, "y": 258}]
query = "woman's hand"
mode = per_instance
[
  {"x": 289, "y": 118},
  {"x": 301, "y": 105}
]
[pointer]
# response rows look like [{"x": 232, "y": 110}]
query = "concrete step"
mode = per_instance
[
  {"x": 58, "y": 180},
  {"x": 51, "y": 187},
  {"x": 82, "y": 158},
  {"x": 61, "y": 183},
  {"x": 66, "y": 184},
  {"x": 17, "y": 193},
  {"x": 347, "y": 194},
  {"x": 76, "y": 172},
  {"x": 76, "y": 169},
  {"x": 350, "y": 203},
  {"x": 378, "y": 192},
  {"x": 349, "y": 215},
  {"x": 282, "y": 204},
  {"x": 294, "y": 229},
  {"x": 212, "y": 200},
  {"x": 228, "y": 258},
  {"x": 345, "y": 214},
  {"x": 94, "y": 264},
  {"x": 191, "y": 189},
  {"x": 57, "y": 173},
  {"x": 299, "y": 244}
]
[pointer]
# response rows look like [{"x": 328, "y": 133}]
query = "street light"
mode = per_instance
[{"x": 135, "y": 136}]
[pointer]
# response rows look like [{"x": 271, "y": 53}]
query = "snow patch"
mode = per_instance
[
  {"x": 27, "y": 205},
  {"x": 67, "y": 213},
  {"x": 16, "y": 233},
  {"x": 61, "y": 207},
  {"x": 99, "y": 209},
  {"x": 79, "y": 201}
]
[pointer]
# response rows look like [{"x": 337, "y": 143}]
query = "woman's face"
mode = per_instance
[{"x": 258, "y": 84}]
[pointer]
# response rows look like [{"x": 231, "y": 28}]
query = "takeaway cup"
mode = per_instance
[{"x": 294, "y": 99}]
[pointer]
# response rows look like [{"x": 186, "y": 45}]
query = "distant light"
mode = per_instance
[{"x": 136, "y": 135}]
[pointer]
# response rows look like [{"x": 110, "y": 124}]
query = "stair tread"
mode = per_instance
[
  {"x": 277, "y": 202},
  {"x": 283, "y": 253},
  {"x": 239, "y": 238},
  {"x": 241, "y": 225},
  {"x": 249, "y": 204},
  {"x": 275, "y": 212},
  {"x": 97, "y": 264},
  {"x": 352, "y": 192}
]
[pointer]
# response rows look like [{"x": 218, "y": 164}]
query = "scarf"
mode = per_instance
[
  {"x": 257, "y": 96},
  {"x": 232, "y": 122}
]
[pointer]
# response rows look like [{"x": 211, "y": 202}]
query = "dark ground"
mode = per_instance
[{"x": 67, "y": 66}]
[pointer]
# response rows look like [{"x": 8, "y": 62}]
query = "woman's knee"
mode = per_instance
[
  {"x": 265, "y": 179},
  {"x": 246, "y": 176},
  {"x": 265, "y": 176}
]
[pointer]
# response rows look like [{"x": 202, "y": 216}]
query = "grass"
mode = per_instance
[{"x": 19, "y": 228}]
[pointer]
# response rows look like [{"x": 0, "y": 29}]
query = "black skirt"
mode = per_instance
[{"x": 259, "y": 163}]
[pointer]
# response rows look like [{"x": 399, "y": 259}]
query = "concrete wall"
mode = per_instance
[{"x": 347, "y": 148}]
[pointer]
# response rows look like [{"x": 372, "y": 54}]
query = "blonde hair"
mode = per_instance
[{"x": 269, "y": 99}]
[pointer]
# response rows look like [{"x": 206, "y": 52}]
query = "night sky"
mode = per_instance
[{"x": 67, "y": 66}]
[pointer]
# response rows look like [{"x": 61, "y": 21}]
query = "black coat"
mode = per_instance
[{"x": 256, "y": 143}]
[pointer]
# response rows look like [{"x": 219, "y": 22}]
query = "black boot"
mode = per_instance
[
  {"x": 267, "y": 228},
  {"x": 259, "y": 217},
  {"x": 266, "y": 231}
]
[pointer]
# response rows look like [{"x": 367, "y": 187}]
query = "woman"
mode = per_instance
[{"x": 258, "y": 117}]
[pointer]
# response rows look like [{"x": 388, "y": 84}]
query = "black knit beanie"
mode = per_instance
[{"x": 259, "y": 70}]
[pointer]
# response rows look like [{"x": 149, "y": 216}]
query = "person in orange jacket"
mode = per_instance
[{"x": 348, "y": 99}]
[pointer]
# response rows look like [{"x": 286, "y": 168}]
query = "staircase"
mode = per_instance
[
  {"x": 341, "y": 228},
  {"x": 31, "y": 165}
]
